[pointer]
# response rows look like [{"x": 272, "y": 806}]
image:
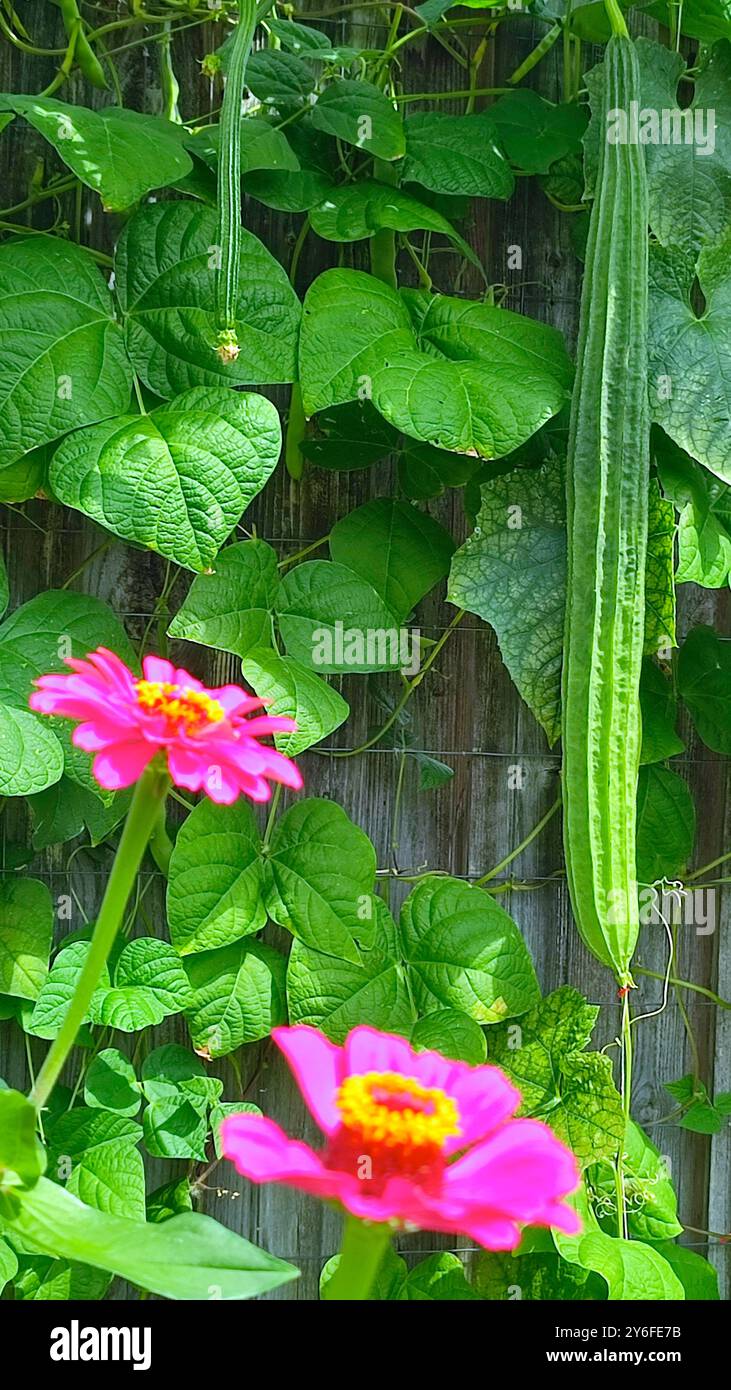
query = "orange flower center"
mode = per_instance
[
  {"x": 385, "y": 1110},
  {"x": 179, "y": 705}
]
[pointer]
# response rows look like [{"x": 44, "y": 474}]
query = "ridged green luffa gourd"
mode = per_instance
[{"x": 607, "y": 497}]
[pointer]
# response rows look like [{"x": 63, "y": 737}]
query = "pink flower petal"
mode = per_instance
[
  {"x": 318, "y": 1067},
  {"x": 122, "y": 764},
  {"x": 262, "y": 1152},
  {"x": 520, "y": 1171}
]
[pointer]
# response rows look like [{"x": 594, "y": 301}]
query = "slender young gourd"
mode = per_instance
[
  {"x": 229, "y": 185},
  {"x": 607, "y": 496}
]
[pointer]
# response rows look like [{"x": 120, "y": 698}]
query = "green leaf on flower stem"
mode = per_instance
[
  {"x": 651, "y": 1204},
  {"x": 361, "y": 115},
  {"x": 8, "y": 1264},
  {"x": 58, "y": 987},
  {"x": 94, "y": 1154},
  {"x": 356, "y": 211},
  {"x": 320, "y": 876},
  {"x": 231, "y": 609},
  {"x": 512, "y": 572},
  {"x": 166, "y": 267},
  {"x": 349, "y": 437},
  {"x": 237, "y": 996},
  {"x": 295, "y": 691},
  {"x": 111, "y": 1083},
  {"x": 573, "y": 1091},
  {"x": 465, "y": 952},
  {"x": 31, "y": 757},
  {"x": 704, "y": 517},
  {"x": 704, "y": 685},
  {"x": 336, "y": 995},
  {"x": 333, "y": 620},
  {"x": 453, "y": 1033},
  {"x": 690, "y": 396},
  {"x": 463, "y": 375},
  {"x": 148, "y": 984},
  {"x": 43, "y": 1279},
  {"x": 221, "y": 1112},
  {"x": 665, "y": 824},
  {"x": 21, "y": 1157},
  {"x": 216, "y": 878},
  {"x": 262, "y": 146},
  {"x": 188, "y": 1257},
  {"x": 660, "y": 574},
  {"x": 177, "y": 480},
  {"x": 120, "y": 153},
  {"x": 533, "y": 132},
  {"x": 64, "y": 362},
  {"x": 26, "y": 933},
  {"x": 659, "y": 715},
  {"x": 401, "y": 552},
  {"x": 456, "y": 155}
]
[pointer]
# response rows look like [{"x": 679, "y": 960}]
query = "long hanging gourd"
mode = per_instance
[
  {"x": 607, "y": 496},
  {"x": 229, "y": 185}
]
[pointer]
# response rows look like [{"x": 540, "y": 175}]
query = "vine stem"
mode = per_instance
[
  {"x": 677, "y": 983},
  {"x": 626, "y": 1038},
  {"x": 616, "y": 19},
  {"x": 533, "y": 835},
  {"x": 406, "y": 696},
  {"x": 364, "y": 1246},
  {"x": 142, "y": 817}
]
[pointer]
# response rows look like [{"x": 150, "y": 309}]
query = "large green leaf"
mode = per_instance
[
  {"x": 704, "y": 685},
  {"x": 337, "y": 995},
  {"x": 704, "y": 521},
  {"x": 62, "y": 353},
  {"x": 572, "y": 1090},
  {"x": 333, "y": 620},
  {"x": 512, "y": 572},
  {"x": 216, "y": 878},
  {"x": 665, "y": 824},
  {"x": 58, "y": 987},
  {"x": 94, "y": 1154},
  {"x": 632, "y": 1270},
  {"x": 349, "y": 437},
  {"x": 278, "y": 78},
  {"x": 659, "y": 715},
  {"x": 361, "y": 115},
  {"x": 111, "y": 1083},
  {"x": 31, "y": 757},
  {"x": 26, "y": 932},
  {"x": 37, "y": 637},
  {"x": 294, "y": 690},
  {"x": 452, "y": 1033},
  {"x": 533, "y": 132},
  {"x": 456, "y": 155},
  {"x": 231, "y": 608},
  {"x": 237, "y": 996},
  {"x": 119, "y": 153},
  {"x": 659, "y": 574},
  {"x": 463, "y": 375},
  {"x": 465, "y": 952},
  {"x": 689, "y": 179},
  {"x": 696, "y": 1274},
  {"x": 189, "y": 1257},
  {"x": 690, "y": 390},
  {"x": 148, "y": 984},
  {"x": 357, "y": 211},
  {"x": 394, "y": 547},
  {"x": 321, "y": 874},
  {"x": 166, "y": 267},
  {"x": 177, "y": 480}
]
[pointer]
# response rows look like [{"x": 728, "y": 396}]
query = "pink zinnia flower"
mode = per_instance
[
  {"x": 412, "y": 1138},
  {"x": 210, "y": 744}
]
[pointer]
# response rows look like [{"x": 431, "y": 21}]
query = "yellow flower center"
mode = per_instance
[
  {"x": 388, "y": 1110},
  {"x": 179, "y": 704}
]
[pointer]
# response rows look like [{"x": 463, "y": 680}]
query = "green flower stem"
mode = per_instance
[
  {"x": 142, "y": 818},
  {"x": 364, "y": 1246},
  {"x": 383, "y": 243}
]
